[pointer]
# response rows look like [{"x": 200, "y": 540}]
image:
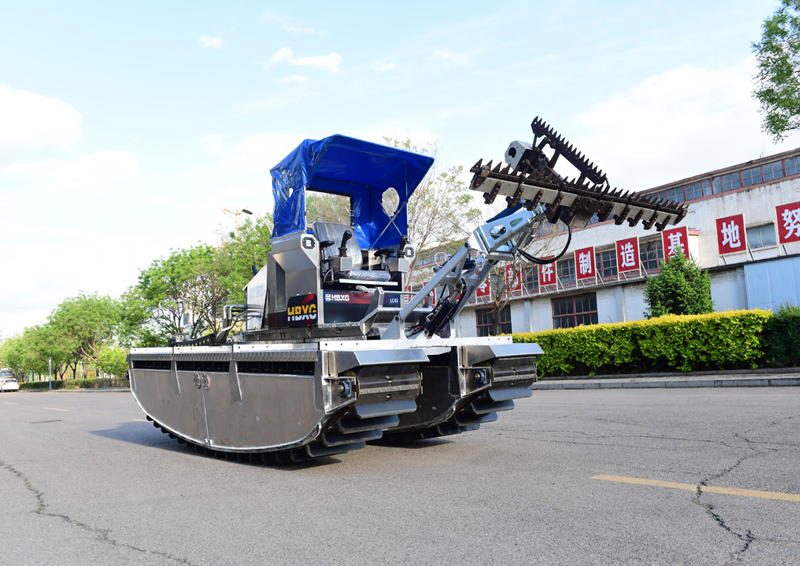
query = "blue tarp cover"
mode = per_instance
[{"x": 347, "y": 166}]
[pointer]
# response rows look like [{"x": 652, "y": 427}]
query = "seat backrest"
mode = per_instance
[{"x": 335, "y": 232}]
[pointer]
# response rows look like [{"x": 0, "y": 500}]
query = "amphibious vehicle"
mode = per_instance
[{"x": 334, "y": 351}]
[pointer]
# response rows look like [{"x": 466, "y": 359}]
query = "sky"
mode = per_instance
[{"x": 127, "y": 128}]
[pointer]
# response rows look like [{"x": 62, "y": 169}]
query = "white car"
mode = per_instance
[{"x": 8, "y": 384}]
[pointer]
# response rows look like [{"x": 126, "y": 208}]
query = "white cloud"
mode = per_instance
[
  {"x": 285, "y": 23},
  {"x": 258, "y": 153},
  {"x": 210, "y": 143},
  {"x": 29, "y": 120},
  {"x": 683, "y": 122},
  {"x": 294, "y": 79},
  {"x": 382, "y": 67},
  {"x": 328, "y": 63},
  {"x": 210, "y": 42},
  {"x": 99, "y": 171},
  {"x": 449, "y": 58}
]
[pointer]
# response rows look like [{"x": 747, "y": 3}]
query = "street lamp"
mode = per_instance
[{"x": 237, "y": 213}]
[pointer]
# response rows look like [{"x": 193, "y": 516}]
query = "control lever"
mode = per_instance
[
  {"x": 343, "y": 248},
  {"x": 402, "y": 246}
]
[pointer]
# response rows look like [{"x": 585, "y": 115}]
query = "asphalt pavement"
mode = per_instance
[{"x": 618, "y": 476}]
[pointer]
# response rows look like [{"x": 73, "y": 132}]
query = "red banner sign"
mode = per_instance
[
  {"x": 731, "y": 237},
  {"x": 484, "y": 289},
  {"x": 516, "y": 284},
  {"x": 628, "y": 255},
  {"x": 788, "y": 222},
  {"x": 547, "y": 274},
  {"x": 585, "y": 264},
  {"x": 675, "y": 239}
]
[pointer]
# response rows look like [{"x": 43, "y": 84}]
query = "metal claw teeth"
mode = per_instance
[
  {"x": 497, "y": 168},
  {"x": 505, "y": 170},
  {"x": 478, "y": 164}
]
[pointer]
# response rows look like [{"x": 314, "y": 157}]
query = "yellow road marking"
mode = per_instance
[
  {"x": 10, "y": 403},
  {"x": 54, "y": 409},
  {"x": 704, "y": 488},
  {"x": 140, "y": 420}
]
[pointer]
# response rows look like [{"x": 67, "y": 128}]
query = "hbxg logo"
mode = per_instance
[{"x": 302, "y": 312}]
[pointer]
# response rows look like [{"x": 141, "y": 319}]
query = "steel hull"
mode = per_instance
[{"x": 297, "y": 401}]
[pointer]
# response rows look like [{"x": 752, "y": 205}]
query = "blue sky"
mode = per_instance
[{"x": 126, "y": 128}]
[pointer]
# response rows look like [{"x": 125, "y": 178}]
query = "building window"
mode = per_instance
[
  {"x": 574, "y": 311},
  {"x": 532, "y": 278},
  {"x": 675, "y": 195},
  {"x": 792, "y": 166},
  {"x": 565, "y": 270},
  {"x": 730, "y": 182},
  {"x": 693, "y": 191},
  {"x": 607, "y": 263},
  {"x": 485, "y": 321},
  {"x": 751, "y": 176},
  {"x": 707, "y": 187},
  {"x": 650, "y": 253},
  {"x": 717, "y": 185},
  {"x": 662, "y": 195},
  {"x": 761, "y": 236},
  {"x": 773, "y": 171},
  {"x": 505, "y": 320}
]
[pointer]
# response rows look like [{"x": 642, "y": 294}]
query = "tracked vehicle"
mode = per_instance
[{"x": 335, "y": 351}]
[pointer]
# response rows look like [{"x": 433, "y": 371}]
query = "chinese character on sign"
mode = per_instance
[
  {"x": 516, "y": 284},
  {"x": 731, "y": 237},
  {"x": 675, "y": 239},
  {"x": 483, "y": 289},
  {"x": 584, "y": 262},
  {"x": 788, "y": 222},
  {"x": 547, "y": 274},
  {"x": 628, "y": 254}
]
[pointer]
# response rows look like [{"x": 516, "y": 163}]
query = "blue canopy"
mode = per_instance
[{"x": 348, "y": 166}]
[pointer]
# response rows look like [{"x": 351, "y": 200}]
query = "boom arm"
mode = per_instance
[
  {"x": 530, "y": 184},
  {"x": 496, "y": 241}
]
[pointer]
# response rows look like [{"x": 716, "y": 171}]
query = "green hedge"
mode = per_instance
[
  {"x": 782, "y": 337},
  {"x": 727, "y": 340},
  {"x": 75, "y": 384}
]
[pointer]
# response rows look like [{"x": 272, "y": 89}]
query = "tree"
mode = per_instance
[
  {"x": 80, "y": 327},
  {"x": 440, "y": 211},
  {"x": 681, "y": 288},
  {"x": 777, "y": 78},
  {"x": 321, "y": 207},
  {"x": 239, "y": 251},
  {"x": 503, "y": 284},
  {"x": 112, "y": 360},
  {"x": 193, "y": 285},
  {"x": 183, "y": 287}
]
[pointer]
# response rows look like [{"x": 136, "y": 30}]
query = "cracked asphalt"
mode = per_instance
[{"x": 84, "y": 480}]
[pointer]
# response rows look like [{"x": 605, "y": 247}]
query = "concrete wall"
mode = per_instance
[{"x": 728, "y": 289}]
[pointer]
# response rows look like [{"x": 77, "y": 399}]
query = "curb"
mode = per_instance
[
  {"x": 78, "y": 390},
  {"x": 679, "y": 374},
  {"x": 669, "y": 384}
]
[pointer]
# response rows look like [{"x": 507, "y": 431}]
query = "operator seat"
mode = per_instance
[{"x": 333, "y": 232}]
